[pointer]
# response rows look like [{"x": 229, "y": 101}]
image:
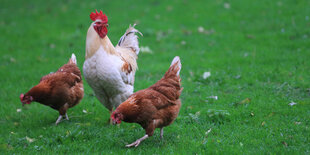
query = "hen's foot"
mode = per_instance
[
  {"x": 61, "y": 117},
  {"x": 137, "y": 142},
  {"x": 58, "y": 120}
]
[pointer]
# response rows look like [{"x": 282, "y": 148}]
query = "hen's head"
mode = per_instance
[
  {"x": 100, "y": 23},
  {"x": 25, "y": 99},
  {"x": 117, "y": 117}
]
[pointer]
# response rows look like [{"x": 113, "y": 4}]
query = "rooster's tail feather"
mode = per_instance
[{"x": 130, "y": 39}]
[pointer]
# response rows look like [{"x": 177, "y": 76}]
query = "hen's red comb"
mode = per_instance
[
  {"x": 21, "y": 97},
  {"x": 99, "y": 15}
]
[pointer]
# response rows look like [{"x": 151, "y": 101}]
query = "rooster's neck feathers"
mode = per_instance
[{"x": 93, "y": 43}]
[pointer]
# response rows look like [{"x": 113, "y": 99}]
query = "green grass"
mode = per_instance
[{"x": 257, "y": 52}]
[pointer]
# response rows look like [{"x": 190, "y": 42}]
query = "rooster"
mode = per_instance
[
  {"x": 60, "y": 90},
  {"x": 154, "y": 107},
  {"x": 109, "y": 70}
]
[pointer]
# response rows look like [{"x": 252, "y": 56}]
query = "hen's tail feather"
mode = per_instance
[
  {"x": 170, "y": 84},
  {"x": 176, "y": 65},
  {"x": 73, "y": 59},
  {"x": 130, "y": 39}
]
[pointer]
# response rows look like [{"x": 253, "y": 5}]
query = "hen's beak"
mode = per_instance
[
  {"x": 114, "y": 122},
  {"x": 23, "y": 103},
  {"x": 106, "y": 25}
]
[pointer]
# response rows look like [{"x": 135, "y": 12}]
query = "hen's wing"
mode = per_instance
[
  {"x": 61, "y": 77},
  {"x": 46, "y": 77},
  {"x": 72, "y": 73},
  {"x": 147, "y": 98},
  {"x": 71, "y": 68}
]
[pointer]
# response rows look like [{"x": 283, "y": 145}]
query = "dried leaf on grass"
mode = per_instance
[
  {"x": 206, "y": 75},
  {"x": 146, "y": 49},
  {"x": 245, "y": 101},
  {"x": 213, "y": 97},
  {"x": 226, "y": 5},
  {"x": 297, "y": 123},
  {"x": 284, "y": 143},
  {"x": 218, "y": 116},
  {"x": 292, "y": 103},
  {"x": 30, "y": 140},
  {"x": 195, "y": 116},
  {"x": 207, "y": 132}
]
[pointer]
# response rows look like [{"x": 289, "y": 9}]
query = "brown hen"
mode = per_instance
[
  {"x": 60, "y": 90},
  {"x": 154, "y": 107}
]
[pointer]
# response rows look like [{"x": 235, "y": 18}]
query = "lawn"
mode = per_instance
[{"x": 257, "y": 53}]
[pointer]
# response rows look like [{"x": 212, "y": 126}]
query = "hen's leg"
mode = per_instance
[
  {"x": 137, "y": 142},
  {"x": 149, "y": 132},
  {"x": 67, "y": 118},
  {"x": 158, "y": 124},
  {"x": 63, "y": 113},
  {"x": 59, "y": 119},
  {"x": 161, "y": 133}
]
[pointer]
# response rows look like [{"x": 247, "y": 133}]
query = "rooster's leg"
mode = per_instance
[
  {"x": 137, "y": 142},
  {"x": 59, "y": 119},
  {"x": 161, "y": 133},
  {"x": 67, "y": 118}
]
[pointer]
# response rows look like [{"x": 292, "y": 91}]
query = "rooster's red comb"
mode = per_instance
[{"x": 99, "y": 15}]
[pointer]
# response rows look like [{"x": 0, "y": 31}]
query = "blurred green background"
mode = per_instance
[{"x": 257, "y": 53}]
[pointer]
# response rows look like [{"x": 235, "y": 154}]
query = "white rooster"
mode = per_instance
[{"x": 109, "y": 70}]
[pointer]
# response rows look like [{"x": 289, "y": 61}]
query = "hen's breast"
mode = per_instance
[{"x": 77, "y": 93}]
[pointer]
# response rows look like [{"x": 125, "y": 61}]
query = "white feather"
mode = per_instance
[
  {"x": 130, "y": 39},
  {"x": 73, "y": 58},
  {"x": 179, "y": 65},
  {"x": 102, "y": 72}
]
